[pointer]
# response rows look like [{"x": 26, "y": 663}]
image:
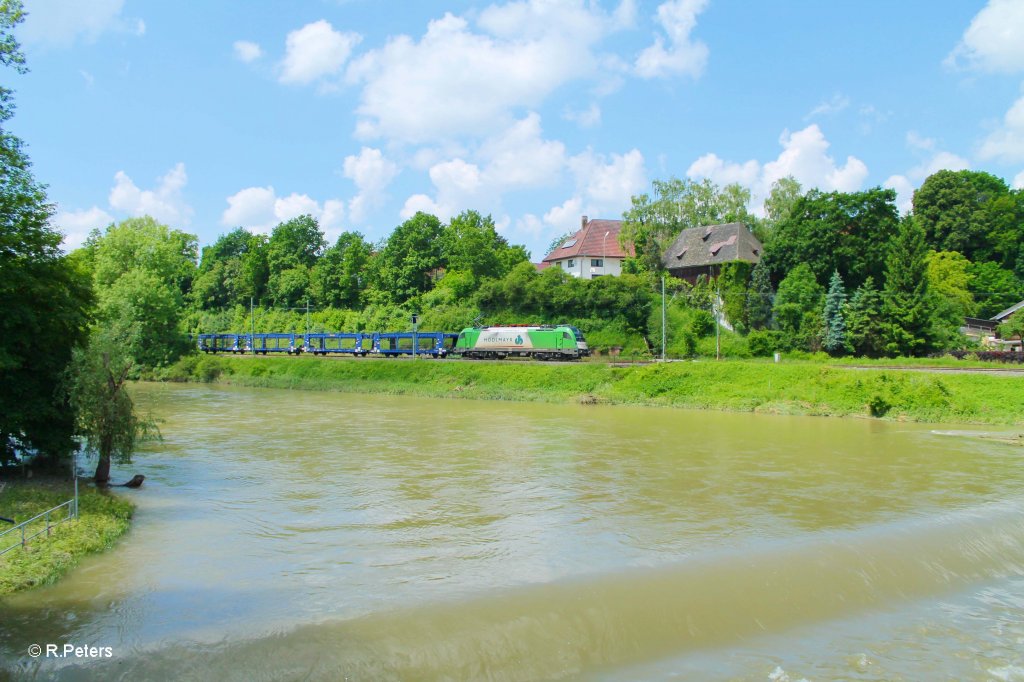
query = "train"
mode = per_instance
[{"x": 539, "y": 342}]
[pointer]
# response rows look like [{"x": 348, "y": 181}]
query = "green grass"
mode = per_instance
[
  {"x": 104, "y": 517},
  {"x": 801, "y": 387}
]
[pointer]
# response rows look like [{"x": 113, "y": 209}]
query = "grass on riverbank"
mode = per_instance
[
  {"x": 786, "y": 388},
  {"x": 103, "y": 518}
]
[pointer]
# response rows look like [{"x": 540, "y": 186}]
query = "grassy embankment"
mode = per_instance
[
  {"x": 103, "y": 518},
  {"x": 786, "y": 388}
]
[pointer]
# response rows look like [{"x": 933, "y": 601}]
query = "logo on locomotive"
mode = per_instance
[{"x": 504, "y": 338}]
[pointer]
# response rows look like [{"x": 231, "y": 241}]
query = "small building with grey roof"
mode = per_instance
[{"x": 702, "y": 250}]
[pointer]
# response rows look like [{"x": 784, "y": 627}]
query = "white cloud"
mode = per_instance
[
  {"x": 804, "y": 156},
  {"x": 608, "y": 185},
  {"x": 586, "y": 118},
  {"x": 456, "y": 82},
  {"x": 314, "y": 51},
  {"x": 520, "y": 157},
  {"x": 76, "y": 225},
  {"x": 838, "y": 103},
  {"x": 417, "y": 203},
  {"x": 1018, "y": 182},
  {"x": 993, "y": 41},
  {"x": 565, "y": 217},
  {"x": 1007, "y": 142},
  {"x": 164, "y": 203},
  {"x": 60, "y": 23},
  {"x": 683, "y": 56},
  {"x": 247, "y": 51},
  {"x": 372, "y": 173},
  {"x": 260, "y": 209}
]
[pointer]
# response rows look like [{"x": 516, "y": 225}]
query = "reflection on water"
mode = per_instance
[{"x": 310, "y": 535}]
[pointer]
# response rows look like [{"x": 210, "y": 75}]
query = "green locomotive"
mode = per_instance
[{"x": 546, "y": 342}]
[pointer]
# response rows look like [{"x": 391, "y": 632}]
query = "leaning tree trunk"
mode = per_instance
[{"x": 103, "y": 465}]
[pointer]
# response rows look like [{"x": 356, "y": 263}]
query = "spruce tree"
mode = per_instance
[
  {"x": 864, "y": 321},
  {"x": 908, "y": 308},
  {"x": 834, "y": 331}
]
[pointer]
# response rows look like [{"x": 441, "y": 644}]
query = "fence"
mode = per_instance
[{"x": 23, "y": 533}]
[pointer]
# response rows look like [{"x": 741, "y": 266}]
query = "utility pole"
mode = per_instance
[
  {"x": 663, "y": 318},
  {"x": 252, "y": 327},
  {"x": 718, "y": 314}
]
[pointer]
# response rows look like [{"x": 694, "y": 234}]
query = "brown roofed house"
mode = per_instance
[
  {"x": 592, "y": 252},
  {"x": 702, "y": 250}
]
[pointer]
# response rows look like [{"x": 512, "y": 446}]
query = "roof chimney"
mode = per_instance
[{"x": 583, "y": 222}]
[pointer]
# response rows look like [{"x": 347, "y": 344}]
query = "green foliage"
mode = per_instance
[
  {"x": 864, "y": 322},
  {"x": 779, "y": 205},
  {"x": 908, "y": 307},
  {"x": 760, "y": 298},
  {"x": 994, "y": 288},
  {"x": 948, "y": 277},
  {"x": 142, "y": 311},
  {"x": 972, "y": 213},
  {"x": 471, "y": 244},
  {"x": 834, "y": 333},
  {"x": 848, "y": 232},
  {"x": 338, "y": 278},
  {"x": 797, "y": 308},
  {"x": 143, "y": 243},
  {"x": 764, "y": 343},
  {"x": 1013, "y": 328},
  {"x": 702, "y": 324},
  {"x": 96, "y": 385},
  {"x": 44, "y": 297},
  {"x": 232, "y": 272},
  {"x": 410, "y": 259}
]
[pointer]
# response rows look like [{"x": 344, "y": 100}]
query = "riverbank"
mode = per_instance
[
  {"x": 103, "y": 518},
  {"x": 745, "y": 386}
]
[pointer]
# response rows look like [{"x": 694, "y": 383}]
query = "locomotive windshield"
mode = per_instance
[{"x": 578, "y": 333}]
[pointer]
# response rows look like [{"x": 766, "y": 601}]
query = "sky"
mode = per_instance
[{"x": 214, "y": 115}]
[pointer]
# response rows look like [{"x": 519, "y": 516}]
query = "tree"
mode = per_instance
[
  {"x": 908, "y": 307},
  {"x": 143, "y": 312},
  {"x": 470, "y": 244},
  {"x": 848, "y": 232},
  {"x": 292, "y": 252},
  {"x": 948, "y": 281},
  {"x": 760, "y": 298},
  {"x": 972, "y": 213},
  {"x": 45, "y": 297},
  {"x": 338, "y": 278},
  {"x": 143, "y": 243},
  {"x": 994, "y": 288},
  {"x": 410, "y": 259},
  {"x": 779, "y": 203},
  {"x": 834, "y": 333},
  {"x": 864, "y": 327},
  {"x": 797, "y": 308},
  {"x": 96, "y": 384}
]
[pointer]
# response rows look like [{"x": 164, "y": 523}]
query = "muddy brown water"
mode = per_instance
[{"x": 290, "y": 535}]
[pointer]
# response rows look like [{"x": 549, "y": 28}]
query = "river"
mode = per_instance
[{"x": 290, "y": 535}]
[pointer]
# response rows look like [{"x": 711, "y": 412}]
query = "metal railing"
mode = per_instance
[{"x": 22, "y": 531}]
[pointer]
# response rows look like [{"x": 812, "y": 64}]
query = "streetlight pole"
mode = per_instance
[{"x": 663, "y": 318}]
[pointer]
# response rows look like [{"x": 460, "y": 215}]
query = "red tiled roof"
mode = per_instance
[
  {"x": 597, "y": 239},
  {"x": 542, "y": 266}
]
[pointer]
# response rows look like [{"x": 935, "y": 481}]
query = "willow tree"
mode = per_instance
[{"x": 97, "y": 386}]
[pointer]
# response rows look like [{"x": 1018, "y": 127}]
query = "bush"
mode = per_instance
[
  {"x": 764, "y": 342},
  {"x": 701, "y": 323}
]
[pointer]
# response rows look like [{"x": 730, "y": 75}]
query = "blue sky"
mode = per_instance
[{"x": 215, "y": 115}]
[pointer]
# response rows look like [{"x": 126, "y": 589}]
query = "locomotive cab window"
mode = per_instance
[{"x": 565, "y": 335}]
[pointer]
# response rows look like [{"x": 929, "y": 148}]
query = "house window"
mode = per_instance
[
  {"x": 572, "y": 263},
  {"x": 597, "y": 262}
]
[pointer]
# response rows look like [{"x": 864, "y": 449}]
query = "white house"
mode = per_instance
[{"x": 592, "y": 252}]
